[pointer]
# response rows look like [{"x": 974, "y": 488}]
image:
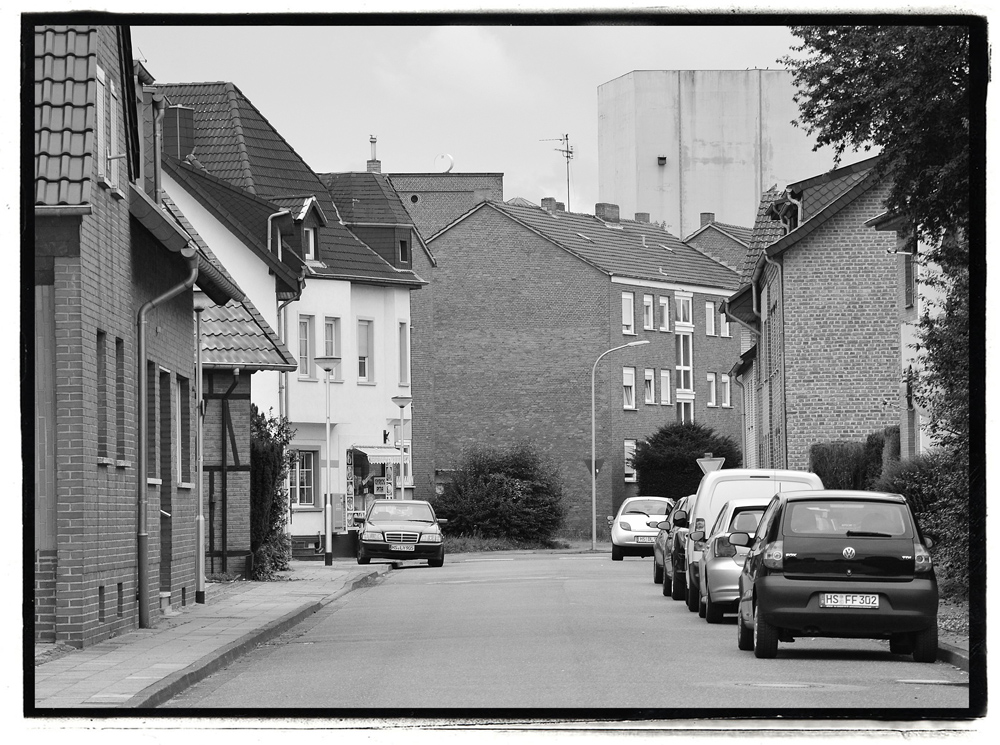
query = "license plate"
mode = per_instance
[
  {"x": 843, "y": 600},
  {"x": 645, "y": 538},
  {"x": 403, "y": 547}
]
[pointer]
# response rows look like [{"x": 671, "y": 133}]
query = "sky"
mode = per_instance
[{"x": 494, "y": 98}]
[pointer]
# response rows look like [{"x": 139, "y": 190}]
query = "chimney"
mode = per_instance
[
  {"x": 374, "y": 166},
  {"x": 606, "y": 212},
  {"x": 706, "y": 218},
  {"x": 549, "y": 204},
  {"x": 178, "y": 131},
  {"x": 642, "y": 217},
  {"x": 560, "y": 207}
]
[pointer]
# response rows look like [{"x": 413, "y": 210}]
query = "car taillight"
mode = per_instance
[
  {"x": 699, "y": 524},
  {"x": 922, "y": 561},
  {"x": 624, "y": 525},
  {"x": 774, "y": 555},
  {"x": 723, "y": 547}
]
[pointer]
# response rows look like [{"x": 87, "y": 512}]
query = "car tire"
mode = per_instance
[
  {"x": 744, "y": 635},
  {"x": 435, "y": 562},
  {"x": 925, "y": 644},
  {"x": 901, "y": 644},
  {"x": 616, "y": 553},
  {"x": 692, "y": 597},
  {"x": 362, "y": 559},
  {"x": 713, "y": 611},
  {"x": 668, "y": 584},
  {"x": 765, "y": 637},
  {"x": 702, "y": 607},
  {"x": 677, "y": 586},
  {"x": 657, "y": 573}
]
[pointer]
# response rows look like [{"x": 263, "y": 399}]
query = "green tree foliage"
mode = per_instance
[
  {"x": 666, "y": 463},
  {"x": 269, "y": 545},
  {"x": 508, "y": 493}
]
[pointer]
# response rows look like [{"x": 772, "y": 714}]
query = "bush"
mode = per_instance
[
  {"x": 841, "y": 465},
  {"x": 666, "y": 463},
  {"x": 270, "y": 548},
  {"x": 511, "y": 494}
]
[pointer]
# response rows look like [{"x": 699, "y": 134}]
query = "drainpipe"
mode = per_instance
[
  {"x": 226, "y": 421},
  {"x": 141, "y": 476},
  {"x": 283, "y": 402}
]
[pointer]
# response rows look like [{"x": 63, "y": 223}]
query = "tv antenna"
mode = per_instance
[{"x": 567, "y": 151}]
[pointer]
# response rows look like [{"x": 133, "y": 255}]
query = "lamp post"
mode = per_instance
[
  {"x": 593, "y": 439},
  {"x": 328, "y": 363},
  {"x": 201, "y": 302},
  {"x": 402, "y": 402}
]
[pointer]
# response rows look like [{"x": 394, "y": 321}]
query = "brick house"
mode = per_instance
[
  {"x": 114, "y": 506},
  {"x": 818, "y": 302},
  {"x": 525, "y": 299},
  {"x": 273, "y": 224},
  {"x": 725, "y": 243}
]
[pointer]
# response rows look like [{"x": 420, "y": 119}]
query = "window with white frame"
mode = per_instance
[
  {"x": 709, "y": 319},
  {"x": 647, "y": 312},
  {"x": 724, "y": 325},
  {"x": 665, "y": 386},
  {"x": 725, "y": 391},
  {"x": 712, "y": 389},
  {"x": 685, "y": 409},
  {"x": 306, "y": 347},
  {"x": 301, "y": 478},
  {"x": 628, "y": 387},
  {"x": 628, "y": 313},
  {"x": 331, "y": 344},
  {"x": 404, "y": 252},
  {"x": 108, "y": 144},
  {"x": 683, "y": 364},
  {"x": 404, "y": 353},
  {"x": 649, "y": 388},
  {"x": 664, "y": 314},
  {"x": 366, "y": 349},
  {"x": 629, "y": 455},
  {"x": 309, "y": 244},
  {"x": 682, "y": 310}
]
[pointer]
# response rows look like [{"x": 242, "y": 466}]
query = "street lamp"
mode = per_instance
[
  {"x": 593, "y": 439},
  {"x": 402, "y": 402},
  {"x": 328, "y": 363}
]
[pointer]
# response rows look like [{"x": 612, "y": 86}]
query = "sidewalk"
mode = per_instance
[{"x": 146, "y": 667}]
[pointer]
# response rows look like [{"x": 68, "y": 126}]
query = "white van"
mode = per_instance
[{"x": 717, "y": 488}]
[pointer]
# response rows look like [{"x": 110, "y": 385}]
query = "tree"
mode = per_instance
[
  {"x": 269, "y": 547},
  {"x": 666, "y": 463}
]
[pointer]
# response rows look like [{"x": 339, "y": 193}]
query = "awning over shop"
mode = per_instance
[{"x": 379, "y": 453}]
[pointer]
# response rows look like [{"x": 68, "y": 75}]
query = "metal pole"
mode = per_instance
[
  {"x": 401, "y": 494},
  {"x": 328, "y": 496},
  {"x": 199, "y": 594}
]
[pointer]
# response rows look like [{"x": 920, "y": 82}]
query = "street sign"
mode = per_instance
[
  {"x": 599, "y": 461},
  {"x": 708, "y": 463}
]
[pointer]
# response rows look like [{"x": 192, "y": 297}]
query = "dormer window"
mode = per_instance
[
  {"x": 404, "y": 252},
  {"x": 309, "y": 244}
]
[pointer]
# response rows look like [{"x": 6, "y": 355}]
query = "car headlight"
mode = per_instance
[
  {"x": 430, "y": 538},
  {"x": 371, "y": 535}
]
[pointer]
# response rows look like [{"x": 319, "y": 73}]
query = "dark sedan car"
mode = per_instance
[
  {"x": 849, "y": 564},
  {"x": 668, "y": 554},
  {"x": 400, "y": 529}
]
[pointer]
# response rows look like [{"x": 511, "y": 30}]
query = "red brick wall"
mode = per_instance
[{"x": 422, "y": 376}]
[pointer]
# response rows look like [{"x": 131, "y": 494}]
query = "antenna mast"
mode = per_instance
[{"x": 567, "y": 151}]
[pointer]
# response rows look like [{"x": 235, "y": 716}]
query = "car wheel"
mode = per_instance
[
  {"x": 702, "y": 607},
  {"x": 901, "y": 644},
  {"x": 925, "y": 644},
  {"x": 713, "y": 611},
  {"x": 744, "y": 636},
  {"x": 616, "y": 553},
  {"x": 677, "y": 587},
  {"x": 436, "y": 562},
  {"x": 692, "y": 596},
  {"x": 765, "y": 637},
  {"x": 668, "y": 584},
  {"x": 362, "y": 559},
  {"x": 657, "y": 572}
]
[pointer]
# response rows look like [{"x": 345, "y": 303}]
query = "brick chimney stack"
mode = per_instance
[
  {"x": 549, "y": 204},
  {"x": 706, "y": 218},
  {"x": 607, "y": 212},
  {"x": 374, "y": 166},
  {"x": 642, "y": 217}
]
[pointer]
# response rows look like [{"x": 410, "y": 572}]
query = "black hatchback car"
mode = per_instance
[
  {"x": 849, "y": 564},
  {"x": 400, "y": 529}
]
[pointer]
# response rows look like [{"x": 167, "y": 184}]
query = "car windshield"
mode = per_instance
[
  {"x": 647, "y": 507},
  {"x": 850, "y": 518},
  {"x": 385, "y": 512}
]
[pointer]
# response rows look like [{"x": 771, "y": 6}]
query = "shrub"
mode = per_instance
[
  {"x": 666, "y": 463},
  {"x": 270, "y": 549},
  {"x": 510, "y": 493},
  {"x": 841, "y": 465}
]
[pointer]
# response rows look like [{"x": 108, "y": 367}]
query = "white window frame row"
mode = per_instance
[
  {"x": 683, "y": 315},
  {"x": 332, "y": 348}
]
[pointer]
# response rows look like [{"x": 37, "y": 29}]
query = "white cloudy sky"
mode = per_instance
[{"x": 488, "y": 95}]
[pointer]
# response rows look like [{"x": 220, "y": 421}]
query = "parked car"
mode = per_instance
[
  {"x": 721, "y": 561},
  {"x": 718, "y": 487},
  {"x": 400, "y": 529},
  {"x": 631, "y": 534},
  {"x": 668, "y": 553},
  {"x": 849, "y": 564}
]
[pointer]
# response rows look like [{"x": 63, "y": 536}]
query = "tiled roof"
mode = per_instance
[
  {"x": 765, "y": 232},
  {"x": 738, "y": 232},
  {"x": 366, "y": 198},
  {"x": 817, "y": 192},
  {"x": 65, "y": 115},
  {"x": 627, "y": 248},
  {"x": 235, "y": 335},
  {"x": 235, "y": 143}
]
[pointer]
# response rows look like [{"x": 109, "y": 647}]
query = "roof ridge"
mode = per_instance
[{"x": 233, "y": 94}]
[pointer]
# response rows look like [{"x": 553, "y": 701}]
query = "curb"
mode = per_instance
[
  {"x": 164, "y": 690},
  {"x": 953, "y": 656}
]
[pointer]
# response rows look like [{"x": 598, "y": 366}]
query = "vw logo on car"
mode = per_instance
[{"x": 848, "y": 553}]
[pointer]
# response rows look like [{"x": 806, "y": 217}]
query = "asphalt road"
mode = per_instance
[{"x": 556, "y": 632}]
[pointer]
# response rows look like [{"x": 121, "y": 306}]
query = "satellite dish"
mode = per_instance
[{"x": 444, "y": 163}]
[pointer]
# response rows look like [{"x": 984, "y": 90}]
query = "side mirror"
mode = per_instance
[
  {"x": 442, "y": 521},
  {"x": 681, "y": 519},
  {"x": 662, "y": 525},
  {"x": 698, "y": 535},
  {"x": 359, "y": 520},
  {"x": 739, "y": 539}
]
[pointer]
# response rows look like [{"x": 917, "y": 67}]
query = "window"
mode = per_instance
[
  {"x": 647, "y": 312},
  {"x": 301, "y": 478},
  {"x": 909, "y": 280},
  {"x": 724, "y": 325},
  {"x": 711, "y": 389},
  {"x": 184, "y": 429},
  {"x": 306, "y": 353},
  {"x": 628, "y": 387},
  {"x": 650, "y": 387},
  {"x": 682, "y": 309},
  {"x": 404, "y": 252},
  {"x": 366, "y": 348},
  {"x": 726, "y": 391},
  {"x": 685, "y": 411},
  {"x": 665, "y": 386},
  {"x": 709, "y": 319},
  {"x": 120, "y": 398},
  {"x": 664, "y": 314},
  {"x": 108, "y": 114},
  {"x": 331, "y": 344},
  {"x": 628, "y": 313},
  {"x": 683, "y": 362},
  {"x": 102, "y": 395},
  {"x": 309, "y": 244},
  {"x": 404, "y": 353},
  {"x": 629, "y": 454}
]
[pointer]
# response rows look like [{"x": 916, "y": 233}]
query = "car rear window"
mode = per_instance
[
  {"x": 847, "y": 518},
  {"x": 648, "y": 506},
  {"x": 745, "y": 521}
]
